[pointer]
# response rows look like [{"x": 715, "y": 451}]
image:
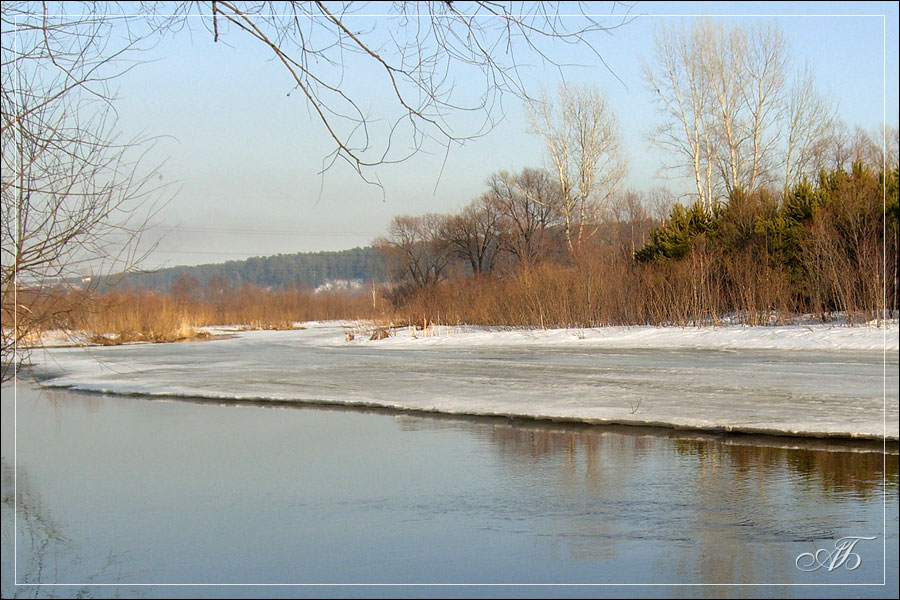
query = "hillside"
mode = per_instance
[{"x": 303, "y": 269}]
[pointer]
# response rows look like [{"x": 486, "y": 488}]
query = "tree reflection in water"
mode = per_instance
[
  {"x": 589, "y": 503},
  {"x": 836, "y": 466},
  {"x": 48, "y": 554},
  {"x": 731, "y": 508}
]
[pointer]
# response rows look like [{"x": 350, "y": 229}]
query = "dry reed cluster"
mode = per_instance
[{"x": 120, "y": 316}]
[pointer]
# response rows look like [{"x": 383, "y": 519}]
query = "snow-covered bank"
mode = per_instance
[
  {"x": 811, "y": 336},
  {"x": 801, "y": 337},
  {"x": 809, "y": 381}
]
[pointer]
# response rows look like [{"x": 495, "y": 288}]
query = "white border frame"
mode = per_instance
[{"x": 491, "y": 585}]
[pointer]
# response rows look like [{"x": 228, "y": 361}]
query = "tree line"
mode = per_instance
[
  {"x": 281, "y": 271},
  {"x": 760, "y": 258},
  {"x": 790, "y": 210}
]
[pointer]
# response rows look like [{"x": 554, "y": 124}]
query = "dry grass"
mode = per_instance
[{"x": 124, "y": 316}]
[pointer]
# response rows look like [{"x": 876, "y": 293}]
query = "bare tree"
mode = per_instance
[
  {"x": 891, "y": 140},
  {"x": 659, "y": 201},
  {"x": 761, "y": 56},
  {"x": 416, "y": 252},
  {"x": 474, "y": 234},
  {"x": 633, "y": 221},
  {"x": 721, "y": 53},
  {"x": 811, "y": 125},
  {"x": 529, "y": 203},
  {"x": 733, "y": 117},
  {"x": 685, "y": 98},
  {"x": 876, "y": 149},
  {"x": 582, "y": 141},
  {"x": 74, "y": 193}
]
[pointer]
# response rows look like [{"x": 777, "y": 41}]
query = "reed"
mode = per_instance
[{"x": 121, "y": 316}]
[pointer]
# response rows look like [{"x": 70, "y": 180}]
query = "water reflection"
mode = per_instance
[
  {"x": 861, "y": 467},
  {"x": 39, "y": 531},
  {"x": 45, "y": 553},
  {"x": 723, "y": 508},
  {"x": 280, "y": 492}
]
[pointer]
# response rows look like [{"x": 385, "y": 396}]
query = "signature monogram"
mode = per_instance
[{"x": 842, "y": 555}]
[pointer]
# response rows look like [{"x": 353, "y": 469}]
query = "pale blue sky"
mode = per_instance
[{"x": 246, "y": 155}]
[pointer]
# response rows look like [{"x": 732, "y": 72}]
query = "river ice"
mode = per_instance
[{"x": 797, "y": 380}]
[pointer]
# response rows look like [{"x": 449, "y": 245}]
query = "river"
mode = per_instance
[
  {"x": 121, "y": 491},
  {"x": 746, "y": 463}
]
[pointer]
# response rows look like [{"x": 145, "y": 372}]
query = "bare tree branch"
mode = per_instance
[
  {"x": 436, "y": 60},
  {"x": 75, "y": 195}
]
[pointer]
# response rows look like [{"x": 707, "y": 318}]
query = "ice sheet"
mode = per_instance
[{"x": 799, "y": 380}]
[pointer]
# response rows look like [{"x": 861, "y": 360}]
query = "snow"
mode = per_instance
[
  {"x": 805, "y": 337},
  {"x": 813, "y": 380}
]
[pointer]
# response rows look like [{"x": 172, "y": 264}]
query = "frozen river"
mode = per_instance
[{"x": 796, "y": 381}]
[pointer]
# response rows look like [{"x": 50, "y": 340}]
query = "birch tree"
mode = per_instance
[
  {"x": 583, "y": 149},
  {"x": 685, "y": 98},
  {"x": 734, "y": 116},
  {"x": 761, "y": 62}
]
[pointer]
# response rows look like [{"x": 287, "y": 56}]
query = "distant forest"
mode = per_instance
[{"x": 282, "y": 271}]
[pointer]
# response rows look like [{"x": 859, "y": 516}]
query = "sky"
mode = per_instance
[{"x": 243, "y": 153}]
